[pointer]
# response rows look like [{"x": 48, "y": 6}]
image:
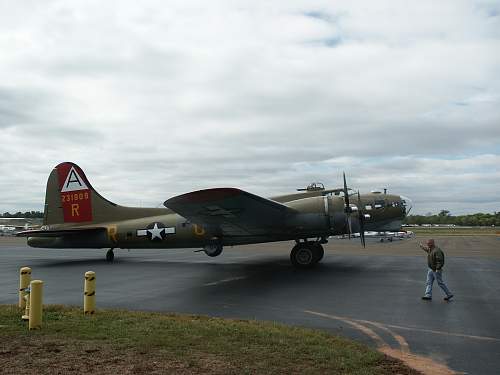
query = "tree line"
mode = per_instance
[
  {"x": 445, "y": 218},
  {"x": 27, "y": 214}
]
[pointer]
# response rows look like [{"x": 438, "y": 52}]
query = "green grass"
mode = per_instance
[
  {"x": 146, "y": 342},
  {"x": 456, "y": 231}
]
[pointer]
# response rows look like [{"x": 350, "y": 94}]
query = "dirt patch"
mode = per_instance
[
  {"x": 41, "y": 355},
  {"x": 48, "y": 356}
]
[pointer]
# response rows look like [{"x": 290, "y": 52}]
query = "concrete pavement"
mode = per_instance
[{"x": 371, "y": 295}]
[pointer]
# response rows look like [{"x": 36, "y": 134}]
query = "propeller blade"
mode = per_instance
[
  {"x": 347, "y": 208},
  {"x": 361, "y": 217},
  {"x": 346, "y": 194},
  {"x": 363, "y": 241}
]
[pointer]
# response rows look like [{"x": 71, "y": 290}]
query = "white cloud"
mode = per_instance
[{"x": 171, "y": 97}]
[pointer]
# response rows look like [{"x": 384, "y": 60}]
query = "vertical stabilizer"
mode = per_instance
[{"x": 71, "y": 199}]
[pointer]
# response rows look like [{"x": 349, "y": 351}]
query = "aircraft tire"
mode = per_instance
[
  {"x": 303, "y": 256},
  {"x": 319, "y": 252},
  {"x": 110, "y": 256},
  {"x": 213, "y": 250}
]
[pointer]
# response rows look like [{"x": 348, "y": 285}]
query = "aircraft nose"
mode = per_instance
[{"x": 407, "y": 203}]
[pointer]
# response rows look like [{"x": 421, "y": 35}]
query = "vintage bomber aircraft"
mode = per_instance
[{"x": 77, "y": 216}]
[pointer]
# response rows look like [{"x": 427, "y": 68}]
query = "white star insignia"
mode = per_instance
[{"x": 156, "y": 232}]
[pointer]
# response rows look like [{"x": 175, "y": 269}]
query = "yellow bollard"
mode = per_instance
[
  {"x": 36, "y": 296},
  {"x": 26, "y": 297},
  {"x": 89, "y": 293},
  {"x": 24, "y": 282}
]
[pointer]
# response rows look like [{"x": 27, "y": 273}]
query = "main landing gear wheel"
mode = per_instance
[
  {"x": 110, "y": 256},
  {"x": 213, "y": 250},
  {"x": 319, "y": 252},
  {"x": 306, "y": 254}
]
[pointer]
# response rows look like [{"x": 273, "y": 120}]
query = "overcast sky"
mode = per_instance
[{"x": 165, "y": 97}]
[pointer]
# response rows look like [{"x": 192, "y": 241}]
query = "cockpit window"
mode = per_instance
[
  {"x": 368, "y": 207},
  {"x": 379, "y": 204}
]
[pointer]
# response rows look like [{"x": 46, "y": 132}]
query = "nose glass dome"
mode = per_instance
[{"x": 407, "y": 203}]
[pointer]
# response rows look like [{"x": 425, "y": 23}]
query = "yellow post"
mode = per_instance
[
  {"x": 26, "y": 297},
  {"x": 36, "y": 296},
  {"x": 24, "y": 282},
  {"x": 89, "y": 293}
]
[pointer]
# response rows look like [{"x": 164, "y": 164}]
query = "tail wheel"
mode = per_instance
[
  {"x": 110, "y": 256},
  {"x": 303, "y": 256}
]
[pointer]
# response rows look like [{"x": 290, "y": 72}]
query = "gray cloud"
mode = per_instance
[
  {"x": 157, "y": 100},
  {"x": 19, "y": 107}
]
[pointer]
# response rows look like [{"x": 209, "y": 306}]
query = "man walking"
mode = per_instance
[{"x": 435, "y": 261}]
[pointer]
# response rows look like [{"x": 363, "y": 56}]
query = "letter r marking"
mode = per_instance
[{"x": 74, "y": 209}]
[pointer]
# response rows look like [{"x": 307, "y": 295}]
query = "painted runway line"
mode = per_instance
[
  {"x": 228, "y": 280},
  {"x": 423, "y": 364}
]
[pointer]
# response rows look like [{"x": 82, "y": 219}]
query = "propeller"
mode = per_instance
[
  {"x": 347, "y": 209},
  {"x": 361, "y": 217}
]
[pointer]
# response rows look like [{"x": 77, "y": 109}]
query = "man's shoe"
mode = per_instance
[
  {"x": 426, "y": 298},
  {"x": 448, "y": 298}
]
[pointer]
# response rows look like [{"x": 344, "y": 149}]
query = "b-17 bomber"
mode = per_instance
[{"x": 77, "y": 216}]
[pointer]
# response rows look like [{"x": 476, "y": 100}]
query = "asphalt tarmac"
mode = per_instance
[{"x": 371, "y": 295}]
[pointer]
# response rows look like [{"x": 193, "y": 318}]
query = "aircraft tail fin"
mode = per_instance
[{"x": 70, "y": 198}]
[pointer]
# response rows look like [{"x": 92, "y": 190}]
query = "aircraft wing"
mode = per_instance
[
  {"x": 236, "y": 212},
  {"x": 58, "y": 232}
]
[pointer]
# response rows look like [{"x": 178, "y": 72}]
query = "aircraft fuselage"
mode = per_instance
[{"x": 317, "y": 216}]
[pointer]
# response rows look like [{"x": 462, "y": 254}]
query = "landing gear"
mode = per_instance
[
  {"x": 306, "y": 254},
  {"x": 110, "y": 256},
  {"x": 319, "y": 251},
  {"x": 213, "y": 249}
]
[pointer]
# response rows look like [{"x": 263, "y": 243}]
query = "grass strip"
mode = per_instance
[{"x": 116, "y": 341}]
